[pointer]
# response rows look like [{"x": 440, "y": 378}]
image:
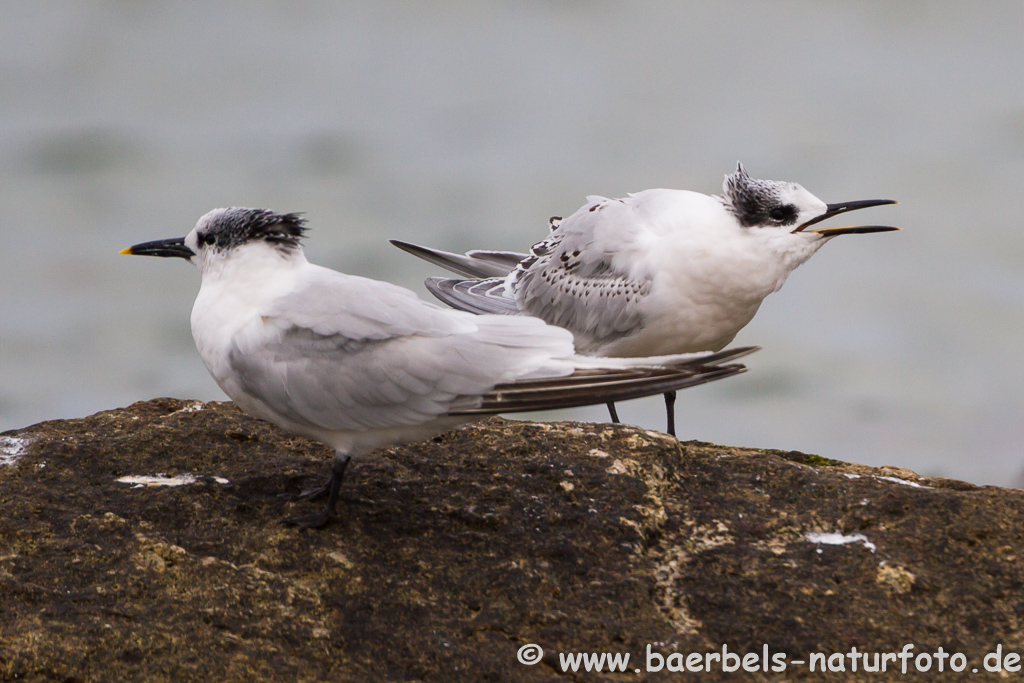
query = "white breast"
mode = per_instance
[
  {"x": 232, "y": 298},
  {"x": 708, "y": 274}
]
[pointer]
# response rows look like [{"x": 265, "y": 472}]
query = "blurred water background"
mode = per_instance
[{"x": 468, "y": 124}]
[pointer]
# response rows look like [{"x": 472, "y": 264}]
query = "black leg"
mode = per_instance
[
  {"x": 319, "y": 520},
  {"x": 613, "y": 413},
  {"x": 670, "y": 408}
]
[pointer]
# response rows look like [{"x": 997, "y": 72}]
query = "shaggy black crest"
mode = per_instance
[
  {"x": 238, "y": 226},
  {"x": 757, "y": 202}
]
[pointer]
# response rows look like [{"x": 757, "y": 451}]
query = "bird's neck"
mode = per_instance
[
  {"x": 236, "y": 290},
  {"x": 237, "y": 286},
  {"x": 249, "y": 267}
]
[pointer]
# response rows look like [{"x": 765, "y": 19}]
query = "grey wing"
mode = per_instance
[
  {"x": 333, "y": 382},
  {"x": 484, "y": 291},
  {"x": 332, "y": 303},
  {"x": 346, "y": 353},
  {"x": 504, "y": 261},
  {"x": 475, "y": 264},
  {"x": 571, "y": 279},
  {"x": 473, "y": 296}
]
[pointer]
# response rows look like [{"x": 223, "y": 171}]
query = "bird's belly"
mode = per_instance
[
  {"x": 696, "y": 309},
  {"x": 706, "y": 328},
  {"x": 687, "y": 315}
]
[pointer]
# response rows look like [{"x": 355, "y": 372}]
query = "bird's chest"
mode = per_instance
[
  {"x": 221, "y": 317},
  {"x": 733, "y": 284},
  {"x": 703, "y": 296}
]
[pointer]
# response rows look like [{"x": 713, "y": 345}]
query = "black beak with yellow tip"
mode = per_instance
[
  {"x": 172, "y": 247},
  {"x": 843, "y": 207}
]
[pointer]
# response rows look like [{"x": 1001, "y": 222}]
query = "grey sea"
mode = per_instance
[{"x": 468, "y": 124}]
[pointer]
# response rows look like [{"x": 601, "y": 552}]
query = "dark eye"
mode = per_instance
[
  {"x": 207, "y": 239},
  {"x": 783, "y": 214}
]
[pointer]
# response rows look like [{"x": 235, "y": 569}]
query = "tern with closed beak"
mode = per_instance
[
  {"x": 656, "y": 272},
  {"x": 358, "y": 364}
]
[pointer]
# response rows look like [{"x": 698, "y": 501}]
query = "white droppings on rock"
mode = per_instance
[
  {"x": 897, "y": 480},
  {"x": 139, "y": 481},
  {"x": 837, "y": 538},
  {"x": 12, "y": 448},
  {"x": 190, "y": 408},
  {"x": 145, "y": 481}
]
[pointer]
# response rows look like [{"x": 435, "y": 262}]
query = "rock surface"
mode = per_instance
[{"x": 454, "y": 553}]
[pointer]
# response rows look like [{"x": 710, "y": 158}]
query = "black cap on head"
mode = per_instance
[
  {"x": 228, "y": 228},
  {"x": 757, "y": 202}
]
